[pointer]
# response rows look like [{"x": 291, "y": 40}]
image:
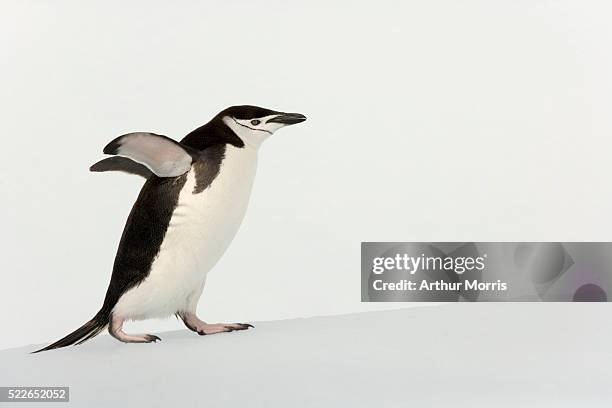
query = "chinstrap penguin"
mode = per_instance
[{"x": 187, "y": 213}]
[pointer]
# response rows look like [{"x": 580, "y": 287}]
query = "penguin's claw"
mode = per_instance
[{"x": 241, "y": 326}]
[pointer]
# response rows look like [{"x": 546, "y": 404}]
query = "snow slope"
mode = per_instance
[{"x": 460, "y": 355}]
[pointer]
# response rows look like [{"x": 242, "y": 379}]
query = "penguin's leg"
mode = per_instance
[
  {"x": 193, "y": 322},
  {"x": 116, "y": 330}
]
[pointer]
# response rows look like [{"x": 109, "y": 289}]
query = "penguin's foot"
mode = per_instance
[
  {"x": 116, "y": 330},
  {"x": 193, "y": 323},
  {"x": 220, "y": 328},
  {"x": 135, "y": 338}
]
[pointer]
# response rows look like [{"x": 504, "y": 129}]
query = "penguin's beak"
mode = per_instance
[{"x": 287, "y": 118}]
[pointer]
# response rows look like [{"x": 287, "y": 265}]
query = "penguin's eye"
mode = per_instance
[{"x": 255, "y": 122}]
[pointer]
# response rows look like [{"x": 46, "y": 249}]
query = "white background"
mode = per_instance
[{"x": 438, "y": 120}]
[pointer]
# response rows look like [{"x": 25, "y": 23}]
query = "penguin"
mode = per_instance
[{"x": 188, "y": 211}]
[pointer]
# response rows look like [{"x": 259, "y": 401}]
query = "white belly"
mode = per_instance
[{"x": 200, "y": 230}]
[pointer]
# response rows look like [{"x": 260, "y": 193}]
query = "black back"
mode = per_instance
[{"x": 143, "y": 235}]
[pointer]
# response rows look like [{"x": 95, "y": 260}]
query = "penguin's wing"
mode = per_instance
[
  {"x": 118, "y": 163},
  {"x": 160, "y": 154}
]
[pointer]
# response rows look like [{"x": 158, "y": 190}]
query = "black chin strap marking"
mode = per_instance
[{"x": 248, "y": 127}]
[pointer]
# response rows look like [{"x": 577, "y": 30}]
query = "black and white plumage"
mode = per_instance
[{"x": 187, "y": 213}]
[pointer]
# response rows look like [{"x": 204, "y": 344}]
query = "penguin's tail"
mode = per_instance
[{"x": 87, "y": 331}]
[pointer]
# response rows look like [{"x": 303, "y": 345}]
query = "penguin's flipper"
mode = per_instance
[
  {"x": 118, "y": 163},
  {"x": 160, "y": 154}
]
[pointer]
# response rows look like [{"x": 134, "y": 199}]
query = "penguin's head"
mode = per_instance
[{"x": 253, "y": 124}]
